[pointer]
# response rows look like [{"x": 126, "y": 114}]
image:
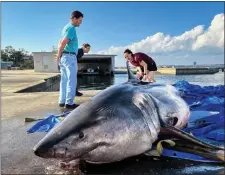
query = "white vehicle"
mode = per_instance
[{"x": 90, "y": 70}]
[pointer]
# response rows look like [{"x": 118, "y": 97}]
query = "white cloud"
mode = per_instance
[
  {"x": 195, "y": 41},
  {"x": 214, "y": 36}
]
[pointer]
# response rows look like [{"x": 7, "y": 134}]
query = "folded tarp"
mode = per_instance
[{"x": 47, "y": 123}]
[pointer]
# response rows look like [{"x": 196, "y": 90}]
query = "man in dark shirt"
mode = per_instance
[
  {"x": 85, "y": 49},
  {"x": 144, "y": 64}
]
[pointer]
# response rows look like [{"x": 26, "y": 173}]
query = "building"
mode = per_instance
[
  {"x": 90, "y": 64},
  {"x": 45, "y": 62},
  {"x": 6, "y": 64}
]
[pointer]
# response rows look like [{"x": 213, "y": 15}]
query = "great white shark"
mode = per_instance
[{"x": 122, "y": 121}]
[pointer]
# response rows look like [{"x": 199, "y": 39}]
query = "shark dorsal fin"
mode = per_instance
[{"x": 131, "y": 76}]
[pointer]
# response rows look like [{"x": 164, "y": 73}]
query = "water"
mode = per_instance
[{"x": 99, "y": 83}]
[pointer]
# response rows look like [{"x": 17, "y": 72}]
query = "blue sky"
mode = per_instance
[{"x": 37, "y": 26}]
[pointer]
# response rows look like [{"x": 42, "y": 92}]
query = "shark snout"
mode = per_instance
[{"x": 43, "y": 152}]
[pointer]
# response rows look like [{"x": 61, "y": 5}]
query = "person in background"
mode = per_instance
[
  {"x": 145, "y": 65},
  {"x": 85, "y": 49},
  {"x": 67, "y": 56}
]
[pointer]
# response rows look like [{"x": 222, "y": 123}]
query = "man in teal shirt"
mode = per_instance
[{"x": 67, "y": 53}]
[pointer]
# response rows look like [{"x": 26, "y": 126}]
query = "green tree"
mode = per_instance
[
  {"x": 28, "y": 64},
  {"x": 4, "y": 56},
  {"x": 54, "y": 49},
  {"x": 18, "y": 58},
  {"x": 9, "y": 50},
  {"x": 11, "y": 54}
]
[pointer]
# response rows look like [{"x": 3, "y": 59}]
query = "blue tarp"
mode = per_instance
[
  {"x": 205, "y": 98},
  {"x": 47, "y": 123},
  {"x": 209, "y": 128},
  {"x": 209, "y": 98}
]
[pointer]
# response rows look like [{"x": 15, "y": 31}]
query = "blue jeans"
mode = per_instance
[{"x": 68, "y": 83}]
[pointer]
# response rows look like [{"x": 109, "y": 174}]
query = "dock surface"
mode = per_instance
[{"x": 15, "y": 80}]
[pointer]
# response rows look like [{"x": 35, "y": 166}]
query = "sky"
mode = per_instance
[{"x": 174, "y": 33}]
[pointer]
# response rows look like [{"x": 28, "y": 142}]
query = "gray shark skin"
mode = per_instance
[{"x": 119, "y": 122}]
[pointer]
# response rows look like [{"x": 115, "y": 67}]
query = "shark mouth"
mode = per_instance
[
  {"x": 69, "y": 165},
  {"x": 67, "y": 159}
]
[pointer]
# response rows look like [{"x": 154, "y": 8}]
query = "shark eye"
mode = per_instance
[{"x": 81, "y": 135}]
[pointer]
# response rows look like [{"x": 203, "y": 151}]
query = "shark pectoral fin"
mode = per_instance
[
  {"x": 188, "y": 143},
  {"x": 159, "y": 148}
]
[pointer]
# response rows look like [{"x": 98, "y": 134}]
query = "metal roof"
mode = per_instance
[
  {"x": 98, "y": 55},
  {"x": 87, "y": 55}
]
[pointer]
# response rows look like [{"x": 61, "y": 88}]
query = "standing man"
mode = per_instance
[
  {"x": 144, "y": 64},
  {"x": 85, "y": 49},
  {"x": 67, "y": 53}
]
